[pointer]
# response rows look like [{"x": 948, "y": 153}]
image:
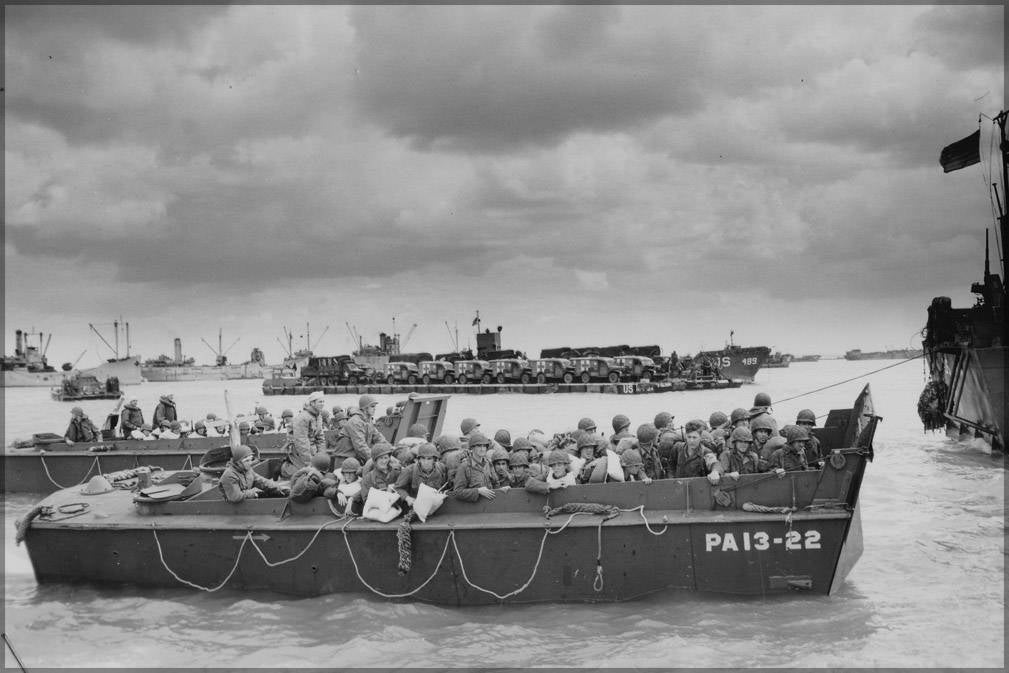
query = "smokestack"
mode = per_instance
[
  {"x": 178, "y": 351},
  {"x": 19, "y": 346}
]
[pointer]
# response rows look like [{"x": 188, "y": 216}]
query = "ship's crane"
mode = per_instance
[
  {"x": 221, "y": 352},
  {"x": 453, "y": 339},
  {"x": 312, "y": 346},
  {"x": 354, "y": 336}
]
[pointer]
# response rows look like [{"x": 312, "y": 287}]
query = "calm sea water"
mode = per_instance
[{"x": 928, "y": 590}]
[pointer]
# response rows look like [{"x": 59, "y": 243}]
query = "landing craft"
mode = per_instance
[{"x": 760, "y": 535}]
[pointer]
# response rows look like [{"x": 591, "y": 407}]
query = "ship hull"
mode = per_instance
[
  {"x": 25, "y": 379},
  {"x": 205, "y": 373},
  {"x": 127, "y": 370},
  {"x": 739, "y": 363}
]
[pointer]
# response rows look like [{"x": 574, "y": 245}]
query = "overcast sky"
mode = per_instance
[{"x": 579, "y": 175}]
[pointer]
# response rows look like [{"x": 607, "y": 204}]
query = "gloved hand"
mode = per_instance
[
  {"x": 733, "y": 475},
  {"x": 714, "y": 477},
  {"x": 780, "y": 472}
]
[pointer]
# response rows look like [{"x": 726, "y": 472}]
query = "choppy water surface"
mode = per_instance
[{"x": 928, "y": 590}]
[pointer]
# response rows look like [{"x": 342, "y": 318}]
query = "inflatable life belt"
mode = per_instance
[{"x": 428, "y": 500}]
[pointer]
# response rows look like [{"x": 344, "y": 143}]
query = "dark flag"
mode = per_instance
[{"x": 962, "y": 153}]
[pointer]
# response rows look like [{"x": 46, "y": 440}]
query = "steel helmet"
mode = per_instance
[
  {"x": 175, "y": 426},
  {"x": 446, "y": 443},
  {"x": 717, "y": 419},
  {"x": 350, "y": 465},
  {"x": 287, "y": 413},
  {"x": 468, "y": 425},
  {"x": 630, "y": 458},
  {"x": 417, "y": 430},
  {"x": 322, "y": 461},
  {"x": 381, "y": 449},
  {"x": 741, "y": 434},
  {"x": 558, "y": 457},
  {"x": 498, "y": 454},
  {"x": 587, "y": 424},
  {"x": 522, "y": 444},
  {"x": 806, "y": 416},
  {"x": 663, "y": 419},
  {"x": 647, "y": 433},
  {"x": 261, "y": 410},
  {"x": 427, "y": 450},
  {"x": 762, "y": 422},
  {"x": 504, "y": 438},
  {"x": 517, "y": 459},
  {"x": 337, "y": 410},
  {"x": 621, "y": 422},
  {"x": 739, "y": 414},
  {"x": 796, "y": 433},
  {"x": 761, "y": 400},
  {"x": 200, "y": 424},
  {"x": 478, "y": 439},
  {"x": 366, "y": 401},
  {"x": 587, "y": 439},
  {"x": 77, "y": 411}
]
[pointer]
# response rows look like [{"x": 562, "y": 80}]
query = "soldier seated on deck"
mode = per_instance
[
  {"x": 146, "y": 433},
  {"x": 81, "y": 429},
  {"x": 472, "y": 479},
  {"x": 558, "y": 475},
  {"x": 343, "y": 485},
  {"x": 240, "y": 482},
  {"x": 500, "y": 474}
]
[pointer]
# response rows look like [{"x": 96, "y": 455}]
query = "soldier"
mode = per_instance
[
  {"x": 500, "y": 476},
  {"x": 467, "y": 426},
  {"x": 240, "y": 482},
  {"x": 359, "y": 435},
  {"x": 761, "y": 408},
  {"x": 693, "y": 459},
  {"x": 81, "y": 429},
  {"x": 584, "y": 464},
  {"x": 663, "y": 420},
  {"x": 648, "y": 451},
  {"x": 518, "y": 469},
  {"x": 165, "y": 411},
  {"x": 473, "y": 479},
  {"x": 768, "y": 449},
  {"x": 265, "y": 420},
  {"x": 587, "y": 425},
  {"x": 450, "y": 448},
  {"x": 200, "y": 429},
  {"x": 814, "y": 454},
  {"x": 173, "y": 431},
  {"x": 215, "y": 428},
  {"x": 720, "y": 431},
  {"x": 426, "y": 470},
  {"x": 163, "y": 428},
  {"x": 286, "y": 421},
  {"x": 382, "y": 475},
  {"x": 146, "y": 433},
  {"x": 307, "y": 482},
  {"x": 503, "y": 438},
  {"x": 527, "y": 450},
  {"x": 739, "y": 418},
  {"x": 621, "y": 428},
  {"x": 739, "y": 456},
  {"x": 558, "y": 475},
  {"x": 131, "y": 419},
  {"x": 336, "y": 485},
  {"x": 792, "y": 456},
  {"x": 307, "y": 438},
  {"x": 762, "y": 427},
  {"x": 633, "y": 466}
]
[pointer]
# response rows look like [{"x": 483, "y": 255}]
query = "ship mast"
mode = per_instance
[{"x": 1000, "y": 119}]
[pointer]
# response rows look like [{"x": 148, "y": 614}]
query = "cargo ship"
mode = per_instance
[
  {"x": 178, "y": 368},
  {"x": 28, "y": 367},
  {"x": 965, "y": 348},
  {"x": 737, "y": 363},
  {"x": 895, "y": 354}
]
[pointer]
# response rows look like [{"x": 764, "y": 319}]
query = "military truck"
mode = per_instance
[
  {"x": 436, "y": 371},
  {"x": 473, "y": 371},
  {"x": 548, "y": 370},
  {"x": 588, "y": 369},
  {"x": 401, "y": 372},
  {"x": 332, "y": 370}
]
